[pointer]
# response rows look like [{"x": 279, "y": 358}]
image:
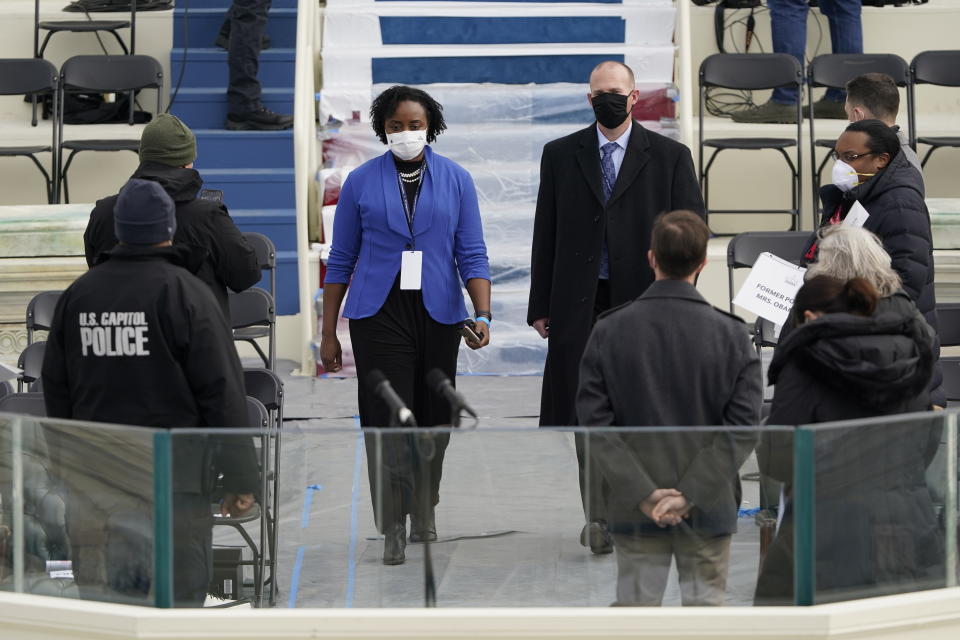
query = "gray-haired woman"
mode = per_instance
[{"x": 846, "y": 252}]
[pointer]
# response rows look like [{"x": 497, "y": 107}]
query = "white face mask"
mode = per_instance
[
  {"x": 407, "y": 145},
  {"x": 844, "y": 176}
]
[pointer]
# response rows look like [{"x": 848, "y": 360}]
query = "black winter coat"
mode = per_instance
[
  {"x": 139, "y": 340},
  {"x": 229, "y": 260},
  {"x": 876, "y": 530},
  {"x": 894, "y": 198},
  {"x": 571, "y": 223}
]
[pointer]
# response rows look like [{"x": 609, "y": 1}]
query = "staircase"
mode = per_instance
[
  {"x": 511, "y": 76},
  {"x": 254, "y": 169}
]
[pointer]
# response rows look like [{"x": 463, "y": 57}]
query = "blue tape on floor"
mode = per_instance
[
  {"x": 354, "y": 503},
  {"x": 747, "y": 513},
  {"x": 307, "y": 503},
  {"x": 295, "y": 578}
]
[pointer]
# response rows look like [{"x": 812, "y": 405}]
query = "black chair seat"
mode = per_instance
[
  {"x": 828, "y": 143},
  {"x": 251, "y": 333},
  {"x": 85, "y": 26},
  {"x": 750, "y": 143},
  {"x": 22, "y": 151},
  {"x": 940, "y": 141},
  {"x": 102, "y": 145}
]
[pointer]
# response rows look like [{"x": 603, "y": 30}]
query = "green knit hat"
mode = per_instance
[{"x": 168, "y": 141}]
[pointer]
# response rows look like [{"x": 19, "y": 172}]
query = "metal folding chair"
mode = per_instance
[
  {"x": 939, "y": 68},
  {"x": 745, "y": 248},
  {"x": 28, "y": 76},
  {"x": 751, "y": 71},
  {"x": 40, "y": 312},
  {"x": 253, "y": 315}
]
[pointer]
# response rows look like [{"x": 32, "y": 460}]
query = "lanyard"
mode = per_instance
[{"x": 411, "y": 212}]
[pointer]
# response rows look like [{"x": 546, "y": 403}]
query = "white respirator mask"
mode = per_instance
[
  {"x": 845, "y": 177},
  {"x": 407, "y": 145}
]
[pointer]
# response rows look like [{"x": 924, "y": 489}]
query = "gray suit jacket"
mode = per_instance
[{"x": 668, "y": 359}]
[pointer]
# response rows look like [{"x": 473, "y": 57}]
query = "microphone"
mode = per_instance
[
  {"x": 378, "y": 383},
  {"x": 440, "y": 383}
]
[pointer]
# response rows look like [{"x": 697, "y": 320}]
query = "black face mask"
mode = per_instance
[{"x": 610, "y": 109}]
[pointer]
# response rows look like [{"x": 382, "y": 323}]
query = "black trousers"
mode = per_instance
[
  {"x": 247, "y": 20},
  {"x": 405, "y": 343},
  {"x": 594, "y": 490}
]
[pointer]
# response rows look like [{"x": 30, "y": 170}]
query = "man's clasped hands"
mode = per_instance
[{"x": 666, "y": 507}]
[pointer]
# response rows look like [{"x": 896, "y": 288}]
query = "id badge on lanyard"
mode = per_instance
[{"x": 411, "y": 262}]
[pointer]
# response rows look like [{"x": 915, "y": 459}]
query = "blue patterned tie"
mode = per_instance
[{"x": 609, "y": 179}]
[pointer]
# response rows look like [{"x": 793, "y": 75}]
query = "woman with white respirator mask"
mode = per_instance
[
  {"x": 877, "y": 188},
  {"x": 406, "y": 234}
]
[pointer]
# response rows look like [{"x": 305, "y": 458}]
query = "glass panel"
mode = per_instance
[
  {"x": 879, "y": 493},
  {"x": 87, "y": 510}
]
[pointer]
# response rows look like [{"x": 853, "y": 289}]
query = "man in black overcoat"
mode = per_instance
[{"x": 595, "y": 212}]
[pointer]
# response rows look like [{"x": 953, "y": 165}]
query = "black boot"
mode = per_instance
[
  {"x": 394, "y": 543},
  {"x": 423, "y": 528},
  {"x": 261, "y": 119}
]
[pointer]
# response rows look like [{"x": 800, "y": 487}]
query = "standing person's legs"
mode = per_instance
[
  {"x": 846, "y": 32},
  {"x": 643, "y": 565},
  {"x": 703, "y": 563},
  {"x": 437, "y": 348},
  {"x": 788, "y": 26},
  {"x": 192, "y": 549},
  {"x": 247, "y": 21}
]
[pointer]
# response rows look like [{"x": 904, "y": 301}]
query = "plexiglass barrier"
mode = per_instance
[{"x": 488, "y": 517}]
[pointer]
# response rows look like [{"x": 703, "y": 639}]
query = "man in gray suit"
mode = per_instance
[{"x": 670, "y": 359}]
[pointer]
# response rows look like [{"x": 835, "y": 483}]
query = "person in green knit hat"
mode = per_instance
[{"x": 221, "y": 255}]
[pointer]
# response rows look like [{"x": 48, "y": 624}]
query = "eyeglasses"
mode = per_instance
[{"x": 850, "y": 157}]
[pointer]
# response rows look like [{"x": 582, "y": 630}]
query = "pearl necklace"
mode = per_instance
[{"x": 411, "y": 177}]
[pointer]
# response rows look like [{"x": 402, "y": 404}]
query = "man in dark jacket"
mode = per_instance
[
  {"x": 891, "y": 189},
  {"x": 167, "y": 151},
  {"x": 139, "y": 340},
  {"x": 600, "y": 189},
  {"x": 670, "y": 359}
]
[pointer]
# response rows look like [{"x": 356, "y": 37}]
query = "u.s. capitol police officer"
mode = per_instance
[{"x": 140, "y": 340}]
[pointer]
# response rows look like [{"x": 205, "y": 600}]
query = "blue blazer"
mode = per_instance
[{"x": 370, "y": 232}]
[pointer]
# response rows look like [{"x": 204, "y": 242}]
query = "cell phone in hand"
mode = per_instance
[
  {"x": 468, "y": 329},
  {"x": 211, "y": 194}
]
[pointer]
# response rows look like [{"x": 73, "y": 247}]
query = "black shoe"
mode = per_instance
[
  {"x": 423, "y": 528},
  {"x": 769, "y": 112},
  {"x": 826, "y": 109},
  {"x": 223, "y": 41},
  {"x": 596, "y": 536},
  {"x": 394, "y": 543},
  {"x": 261, "y": 119}
]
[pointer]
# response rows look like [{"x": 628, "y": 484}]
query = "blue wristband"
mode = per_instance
[{"x": 482, "y": 319}]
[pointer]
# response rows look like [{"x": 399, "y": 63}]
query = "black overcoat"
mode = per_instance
[{"x": 571, "y": 222}]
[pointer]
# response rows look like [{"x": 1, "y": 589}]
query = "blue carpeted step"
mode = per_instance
[
  {"x": 203, "y": 25},
  {"x": 252, "y": 188},
  {"x": 287, "y": 296},
  {"x": 206, "y": 107},
  {"x": 225, "y": 4},
  {"x": 221, "y": 149},
  {"x": 280, "y": 225},
  {"x": 208, "y": 67}
]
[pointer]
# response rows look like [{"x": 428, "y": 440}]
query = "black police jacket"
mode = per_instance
[
  {"x": 139, "y": 340},
  {"x": 228, "y": 260}
]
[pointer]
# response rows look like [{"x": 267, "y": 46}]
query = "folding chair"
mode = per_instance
[
  {"x": 834, "y": 71},
  {"x": 26, "y": 404},
  {"x": 745, "y": 248},
  {"x": 948, "y": 318},
  {"x": 40, "y": 312},
  {"x": 83, "y": 26},
  {"x": 104, "y": 74},
  {"x": 266, "y": 257},
  {"x": 751, "y": 71},
  {"x": 254, "y": 316},
  {"x": 258, "y": 418},
  {"x": 939, "y": 68},
  {"x": 31, "y": 362},
  {"x": 266, "y": 386},
  {"x": 32, "y": 77}
]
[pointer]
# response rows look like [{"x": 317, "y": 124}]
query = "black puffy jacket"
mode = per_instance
[
  {"x": 894, "y": 198},
  {"x": 205, "y": 225},
  {"x": 876, "y": 529}
]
